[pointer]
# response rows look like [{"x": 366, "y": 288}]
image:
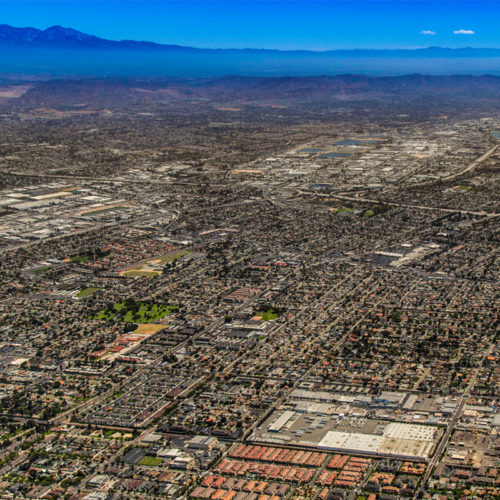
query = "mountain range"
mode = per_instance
[
  {"x": 60, "y": 51},
  {"x": 59, "y": 37}
]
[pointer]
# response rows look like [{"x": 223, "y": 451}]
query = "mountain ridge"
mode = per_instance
[
  {"x": 66, "y": 52},
  {"x": 68, "y": 38},
  {"x": 61, "y": 37}
]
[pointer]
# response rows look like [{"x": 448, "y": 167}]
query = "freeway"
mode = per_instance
[
  {"x": 402, "y": 205},
  {"x": 472, "y": 166}
]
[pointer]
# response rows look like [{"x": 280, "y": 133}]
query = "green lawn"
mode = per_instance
[
  {"x": 151, "y": 461},
  {"x": 79, "y": 259},
  {"x": 377, "y": 210},
  {"x": 86, "y": 292},
  {"x": 267, "y": 315},
  {"x": 173, "y": 256},
  {"x": 41, "y": 269},
  {"x": 140, "y": 312}
]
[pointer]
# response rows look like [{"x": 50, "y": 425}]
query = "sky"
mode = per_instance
[{"x": 275, "y": 24}]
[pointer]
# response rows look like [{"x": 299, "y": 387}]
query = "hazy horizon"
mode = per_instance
[{"x": 271, "y": 24}]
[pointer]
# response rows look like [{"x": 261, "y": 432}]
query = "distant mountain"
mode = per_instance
[
  {"x": 58, "y": 37},
  {"x": 356, "y": 98},
  {"x": 59, "y": 51},
  {"x": 417, "y": 91},
  {"x": 67, "y": 38}
]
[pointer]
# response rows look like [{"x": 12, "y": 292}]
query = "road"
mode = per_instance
[
  {"x": 454, "y": 419},
  {"x": 402, "y": 205},
  {"x": 248, "y": 434},
  {"x": 470, "y": 167}
]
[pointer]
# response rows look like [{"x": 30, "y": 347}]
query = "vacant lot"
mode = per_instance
[{"x": 149, "y": 268}]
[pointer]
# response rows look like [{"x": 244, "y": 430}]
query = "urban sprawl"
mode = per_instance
[{"x": 319, "y": 321}]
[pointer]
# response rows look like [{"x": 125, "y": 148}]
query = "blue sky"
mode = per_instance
[{"x": 293, "y": 24}]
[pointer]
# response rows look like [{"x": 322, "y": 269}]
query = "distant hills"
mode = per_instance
[
  {"x": 342, "y": 91},
  {"x": 59, "y": 51}
]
